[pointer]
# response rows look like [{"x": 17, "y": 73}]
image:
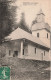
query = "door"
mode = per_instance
[{"x": 15, "y": 54}]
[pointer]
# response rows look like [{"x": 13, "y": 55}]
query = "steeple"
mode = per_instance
[
  {"x": 41, "y": 12},
  {"x": 40, "y": 16}
]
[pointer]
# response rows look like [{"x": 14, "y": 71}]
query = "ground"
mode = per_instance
[{"x": 22, "y": 69}]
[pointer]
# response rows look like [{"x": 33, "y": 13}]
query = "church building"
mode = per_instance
[{"x": 22, "y": 44}]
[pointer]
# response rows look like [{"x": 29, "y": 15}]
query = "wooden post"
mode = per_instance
[{"x": 21, "y": 49}]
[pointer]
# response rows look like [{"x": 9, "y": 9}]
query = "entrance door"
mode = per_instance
[
  {"x": 42, "y": 55},
  {"x": 15, "y": 54}
]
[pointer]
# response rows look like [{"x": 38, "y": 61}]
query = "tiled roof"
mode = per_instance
[
  {"x": 20, "y": 34},
  {"x": 41, "y": 25}
]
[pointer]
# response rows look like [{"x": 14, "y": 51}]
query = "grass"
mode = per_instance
[{"x": 22, "y": 69}]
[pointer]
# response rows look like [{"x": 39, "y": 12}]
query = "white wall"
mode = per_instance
[
  {"x": 38, "y": 55},
  {"x": 29, "y": 51},
  {"x": 43, "y": 36}
]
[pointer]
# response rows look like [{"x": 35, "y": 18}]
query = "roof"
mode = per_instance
[
  {"x": 25, "y": 28},
  {"x": 41, "y": 25},
  {"x": 22, "y": 26},
  {"x": 20, "y": 34}
]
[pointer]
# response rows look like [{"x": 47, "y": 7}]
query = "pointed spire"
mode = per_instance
[{"x": 40, "y": 12}]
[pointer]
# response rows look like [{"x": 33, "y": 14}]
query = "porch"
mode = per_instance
[{"x": 17, "y": 48}]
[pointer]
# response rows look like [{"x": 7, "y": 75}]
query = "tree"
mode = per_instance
[
  {"x": 23, "y": 24},
  {"x": 7, "y": 18}
]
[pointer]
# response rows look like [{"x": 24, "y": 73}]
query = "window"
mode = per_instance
[
  {"x": 9, "y": 52},
  {"x": 23, "y": 51},
  {"x": 35, "y": 50},
  {"x": 44, "y": 53},
  {"x": 47, "y": 35},
  {"x": 37, "y": 34}
]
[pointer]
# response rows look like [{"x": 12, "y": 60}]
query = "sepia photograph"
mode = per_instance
[{"x": 25, "y": 40}]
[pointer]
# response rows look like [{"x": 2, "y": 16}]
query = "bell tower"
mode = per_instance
[
  {"x": 41, "y": 29},
  {"x": 40, "y": 16}
]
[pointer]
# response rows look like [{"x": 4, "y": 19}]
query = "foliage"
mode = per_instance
[
  {"x": 23, "y": 24},
  {"x": 6, "y": 18}
]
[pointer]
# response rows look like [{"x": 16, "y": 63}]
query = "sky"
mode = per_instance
[{"x": 31, "y": 8}]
